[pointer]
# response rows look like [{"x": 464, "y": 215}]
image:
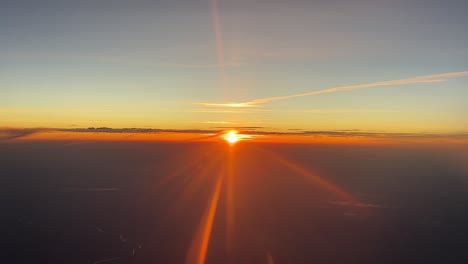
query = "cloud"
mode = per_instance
[
  {"x": 235, "y": 105},
  {"x": 8, "y": 133},
  {"x": 335, "y": 111},
  {"x": 216, "y": 122},
  {"x": 373, "y": 134},
  {"x": 435, "y": 78},
  {"x": 230, "y": 110},
  {"x": 242, "y": 108},
  {"x": 241, "y": 127},
  {"x": 254, "y": 131},
  {"x": 134, "y": 130}
]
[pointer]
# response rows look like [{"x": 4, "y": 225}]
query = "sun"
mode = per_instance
[{"x": 231, "y": 137}]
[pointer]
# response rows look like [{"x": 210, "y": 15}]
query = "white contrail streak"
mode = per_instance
[{"x": 413, "y": 80}]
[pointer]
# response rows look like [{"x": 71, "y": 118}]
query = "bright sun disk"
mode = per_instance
[{"x": 231, "y": 137}]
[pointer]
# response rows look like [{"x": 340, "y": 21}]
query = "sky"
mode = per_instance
[{"x": 201, "y": 64}]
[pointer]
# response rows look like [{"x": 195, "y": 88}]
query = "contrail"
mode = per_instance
[{"x": 419, "y": 79}]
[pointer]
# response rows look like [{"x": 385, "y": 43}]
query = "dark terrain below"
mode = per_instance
[{"x": 140, "y": 202}]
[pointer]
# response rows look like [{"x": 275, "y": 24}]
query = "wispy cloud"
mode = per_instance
[
  {"x": 335, "y": 111},
  {"x": 435, "y": 78},
  {"x": 229, "y": 110},
  {"x": 240, "y": 127},
  {"x": 234, "y": 105},
  {"x": 216, "y": 122}
]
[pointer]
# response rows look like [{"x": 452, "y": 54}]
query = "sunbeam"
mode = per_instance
[
  {"x": 194, "y": 185},
  {"x": 194, "y": 159},
  {"x": 313, "y": 177},
  {"x": 219, "y": 42},
  {"x": 270, "y": 259},
  {"x": 230, "y": 220},
  {"x": 199, "y": 246}
]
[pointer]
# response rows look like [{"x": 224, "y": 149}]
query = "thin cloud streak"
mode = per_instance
[
  {"x": 234, "y": 105},
  {"x": 340, "y": 111},
  {"x": 231, "y": 111},
  {"x": 215, "y": 122},
  {"x": 435, "y": 78}
]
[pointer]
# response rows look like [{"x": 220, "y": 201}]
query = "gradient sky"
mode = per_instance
[{"x": 149, "y": 63}]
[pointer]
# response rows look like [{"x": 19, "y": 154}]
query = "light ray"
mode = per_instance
[
  {"x": 219, "y": 41},
  {"x": 195, "y": 159},
  {"x": 311, "y": 176},
  {"x": 230, "y": 214},
  {"x": 165, "y": 183},
  {"x": 199, "y": 246},
  {"x": 270, "y": 259},
  {"x": 195, "y": 184}
]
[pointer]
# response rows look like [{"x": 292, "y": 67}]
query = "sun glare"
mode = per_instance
[{"x": 231, "y": 137}]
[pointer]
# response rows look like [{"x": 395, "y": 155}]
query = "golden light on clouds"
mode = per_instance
[{"x": 239, "y": 105}]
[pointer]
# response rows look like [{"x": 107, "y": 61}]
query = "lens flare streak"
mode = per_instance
[
  {"x": 219, "y": 41},
  {"x": 311, "y": 176},
  {"x": 199, "y": 247},
  {"x": 195, "y": 184},
  {"x": 230, "y": 201}
]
